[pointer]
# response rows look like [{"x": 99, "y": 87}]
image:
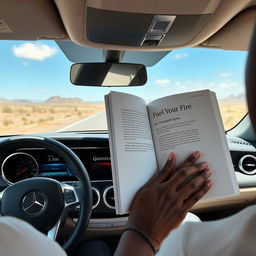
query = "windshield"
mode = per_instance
[{"x": 37, "y": 96}]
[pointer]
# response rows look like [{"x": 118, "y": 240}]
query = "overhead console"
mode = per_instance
[{"x": 145, "y": 24}]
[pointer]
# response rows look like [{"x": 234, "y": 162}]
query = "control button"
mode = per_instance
[
  {"x": 154, "y": 37},
  {"x": 69, "y": 196}
]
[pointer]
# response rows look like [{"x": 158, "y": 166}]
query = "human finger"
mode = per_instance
[
  {"x": 184, "y": 174},
  {"x": 194, "y": 184},
  {"x": 193, "y": 199},
  {"x": 191, "y": 160},
  {"x": 164, "y": 173}
]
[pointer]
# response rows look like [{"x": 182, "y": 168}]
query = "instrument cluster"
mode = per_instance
[{"x": 29, "y": 163}]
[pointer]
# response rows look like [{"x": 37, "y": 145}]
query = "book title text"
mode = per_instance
[{"x": 165, "y": 111}]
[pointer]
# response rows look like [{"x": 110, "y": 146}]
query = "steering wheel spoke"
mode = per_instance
[
  {"x": 53, "y": 232},
  {"x": 70, "y": 195},
  {"x": 70, "y": 199}
]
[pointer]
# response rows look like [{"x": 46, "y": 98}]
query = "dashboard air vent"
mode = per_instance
[
  {"x": 95, "y": 197},
  {"x": 241, "y": 142},
  {"x": 108, "y": 197},
  {"x": 247, "y": 164}
]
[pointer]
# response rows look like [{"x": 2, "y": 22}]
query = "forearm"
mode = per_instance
[{"x": 133, "y": 244}]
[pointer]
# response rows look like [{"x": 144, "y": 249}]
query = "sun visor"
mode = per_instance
[
  {"x": 236, "y": 35},
  {"x": 30, "y": 20}
]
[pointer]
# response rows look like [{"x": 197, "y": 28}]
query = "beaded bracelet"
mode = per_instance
[{"x": 144, "y": 236}]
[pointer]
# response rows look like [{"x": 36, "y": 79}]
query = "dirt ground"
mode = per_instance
[
  {"x": 232, "y": 114},
  {"x": 37, "y": 118}
]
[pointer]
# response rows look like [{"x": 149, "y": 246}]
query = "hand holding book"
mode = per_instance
[{"x": 168, "y": 196}]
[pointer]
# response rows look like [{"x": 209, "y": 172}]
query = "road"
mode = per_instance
[{"x": 95, "y": 122}]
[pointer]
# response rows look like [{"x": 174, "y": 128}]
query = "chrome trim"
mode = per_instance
[
  {"x": 107, "y": 223},
  {"x": 2, "y": 193},
  {"x": 104, "y": 198},
  {"x": 27, "y": 137},
  {"x": 98, "y": 198},
  {"x": 11, "y": 155},
  {"x": 92, "y": 181},
  {"x": 33, "y": 202},
  {"x": 53, "y": 232},
  {"x": 240, "y": 164},
  {"x": 101, "y": 181}
]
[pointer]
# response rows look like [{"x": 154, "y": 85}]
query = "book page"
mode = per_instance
[
  {"x": 131, "y": 146},
  {"x": 188, "y": 122}
]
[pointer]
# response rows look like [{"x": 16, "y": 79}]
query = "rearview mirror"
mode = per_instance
[{"x": 108, "y": 74}]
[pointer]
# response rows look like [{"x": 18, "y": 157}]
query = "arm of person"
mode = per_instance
[
  {"x": 18, "y": 238},
  {"x": 161, "y": 205}
]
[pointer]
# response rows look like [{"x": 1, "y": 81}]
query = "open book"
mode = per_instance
[{"x": 142, "y": 136}]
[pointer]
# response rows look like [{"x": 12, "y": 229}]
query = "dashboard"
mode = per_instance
[{"x": 93, "y": 151}]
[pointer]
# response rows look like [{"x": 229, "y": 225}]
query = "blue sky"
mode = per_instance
[{"x": 39, "y": 70}]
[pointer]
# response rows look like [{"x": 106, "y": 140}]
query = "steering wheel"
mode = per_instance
[{"x": 44, "y": 202}]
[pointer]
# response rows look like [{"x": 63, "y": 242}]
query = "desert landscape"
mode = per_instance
[
  {"x": 17, "y": 117},
  {"x": 232, "y": 109},
  {"x": 22, "y": 117}
]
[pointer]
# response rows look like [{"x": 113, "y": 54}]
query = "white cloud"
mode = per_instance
[
  {"x": 34, "y": 51},
  {"x": 225, "y": 74},
  {"x": 163, "y": 82},
  {"x": 179, "y": 56},
  {"x": 24, "y": 63},
  {"x": 228, "y": 84}
]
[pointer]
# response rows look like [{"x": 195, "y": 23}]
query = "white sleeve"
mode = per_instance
[
  {"x": 18, "y": 238},
  {"x": 173, "y": 243},
  {"x": 232, "y": 236}
]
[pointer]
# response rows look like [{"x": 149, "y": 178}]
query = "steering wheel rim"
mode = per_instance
[{"x": 83, "y": 192}]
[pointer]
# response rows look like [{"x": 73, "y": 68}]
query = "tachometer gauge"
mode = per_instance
[{"x": 19, "y": 166}]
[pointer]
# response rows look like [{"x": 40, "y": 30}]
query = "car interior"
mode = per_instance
[{"x": 113, "y": 31}]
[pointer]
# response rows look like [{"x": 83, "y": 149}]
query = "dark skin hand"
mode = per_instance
[{"x": 162, "y": 204}]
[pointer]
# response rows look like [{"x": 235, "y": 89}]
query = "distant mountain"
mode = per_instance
[
  {"x": 232, "y": 99},
  {"x": 61, "y": 100},
  {"x": 21, "y": 101},
  {"x": 4, "y": 101},
  {"x": 15, "y": 101}
]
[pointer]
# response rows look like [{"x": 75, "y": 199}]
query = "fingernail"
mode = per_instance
[
  {"x": 196, "y": 154},
  {"x": 207, "y": 172},
  {"x": 171, "y": 155},
  {"x": 203, "y": 165},
  {"x": 208, "y": 183}
]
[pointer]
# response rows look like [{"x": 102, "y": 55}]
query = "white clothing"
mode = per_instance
[
  {"x": 232, "y": 236},
  {"x": 18, "y": 238}
]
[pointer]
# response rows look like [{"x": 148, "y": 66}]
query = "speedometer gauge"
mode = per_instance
[{"x": 19, "y": 166}]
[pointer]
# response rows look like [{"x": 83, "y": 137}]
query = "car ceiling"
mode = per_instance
[{"x": 145, "y": 25}]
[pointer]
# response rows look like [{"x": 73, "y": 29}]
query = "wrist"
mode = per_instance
[
  {"x": 151, "y": 242},
  {"x": 131, "y": 223}
]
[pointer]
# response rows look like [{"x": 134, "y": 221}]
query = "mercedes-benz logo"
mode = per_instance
[{"x": 34, "y": 203}]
